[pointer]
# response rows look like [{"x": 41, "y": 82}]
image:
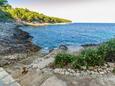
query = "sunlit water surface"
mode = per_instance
[{"x": 73, "y": 34}]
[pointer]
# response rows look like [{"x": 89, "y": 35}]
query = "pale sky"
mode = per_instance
[{"x": 75, "y": 10}]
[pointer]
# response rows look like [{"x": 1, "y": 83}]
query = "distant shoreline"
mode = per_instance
[
  {"x": 47, "y": 24},
  {"x": 41, "y": 24}
]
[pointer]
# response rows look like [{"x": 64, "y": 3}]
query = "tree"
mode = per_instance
[
  {"x": 30, "y": 16},
  {"x": 2, "y": 2}
]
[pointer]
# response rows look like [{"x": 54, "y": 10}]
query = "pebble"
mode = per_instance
[{"x": 102, "y": 73}]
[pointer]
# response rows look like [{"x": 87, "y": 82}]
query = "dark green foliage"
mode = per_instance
[
  {"x": 89, "y": 57},
  {"x": 113, "y": 71},
  {"x": 63, "y": 59},
  {"x": 2, "y": 2},
  {"x": 4, "y": 16},
  {"x": 78, "y": 62},
  {"x": 26, "y": 15},
  {"x": 107, "y": 50},
  {"x": 30, "y": 16}
]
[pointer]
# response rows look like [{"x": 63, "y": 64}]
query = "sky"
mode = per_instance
[{"x": 75, "y": 10}]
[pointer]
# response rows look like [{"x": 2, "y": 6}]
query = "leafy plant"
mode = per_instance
[
  {"x": 63, "y": 59},
  {"x": 2, "y": 2},
  {"x": 113, "y": 71},
  {"x": 88, "y": 57}
]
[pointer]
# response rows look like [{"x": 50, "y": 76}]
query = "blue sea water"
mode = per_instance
[{"x": 73, "y": 34}]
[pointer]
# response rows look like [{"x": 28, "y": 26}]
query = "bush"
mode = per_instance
[
  {"x": 113, "y": 71},
  {"x": 63, "y": 59},
  {"x": 91, "y": 57},
  {"x": 78, "y": 63},
  {"x": 107, "y": 50},
  {"x": 88, "y": 57}
]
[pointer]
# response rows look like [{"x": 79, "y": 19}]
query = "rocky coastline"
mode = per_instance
[
  {"x": 21, "y": 61},
  {"x": 14, "y": 41}
]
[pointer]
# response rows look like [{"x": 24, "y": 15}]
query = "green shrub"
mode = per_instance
[
  {"x": 113, "y": 71},
  {"x": 88, "y": 57},
  {"x": 110, "y": 56},
  {"x": 64, "y": 59},
  {"x": 107, "y": 50},
  {"x": 92, "y": 58},
  {"x": 78, "y": 63}
]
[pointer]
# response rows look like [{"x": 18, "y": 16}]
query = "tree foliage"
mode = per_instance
[
  {"x": 30, "y": 16},
  {"x": 2, "y": 2}
]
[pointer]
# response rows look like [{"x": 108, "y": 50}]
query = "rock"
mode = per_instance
[
  {"x": 102, "y": 73},
  {"x": 111, "y": 64},
  {"x": 41, "y": 63},
  {"x": 32, "y": 77},
  {"x": 12, "y": 41},
  {"x": 71, "y": 70},
  {"x": 59, "y": 71},
  {"x": 74, "y": 49},
  {"x": 63, "y": 47},
  {"x": 6, "y": 79},
  {"x": 54, "y": 81},
  {"x": 90, "y": 45},
  {"x": 84, "y": 67},
  {"x": 67, "y": 73},
  {"x": 91, "y": 68},
  {"x": 3, "y": 62}
]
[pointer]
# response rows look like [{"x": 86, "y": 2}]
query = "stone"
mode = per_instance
[
  {"x": 111, "y": 64},
  {"x": 74, "y": 49},
  {"x": 67, "y": 73},
  {"x": 71, "y": 70},
  {"x": 63, "y": 47},
  {"x": 61, "y": 71},
  {"x": 102, "y": 73},
  {"x": 3, "y": 62},
  {"x": 41, "y": 63},
  {"x": 6, "y": 79},
  {"x": 54, "y": 81},
  {"x": 91, "y": 68}
]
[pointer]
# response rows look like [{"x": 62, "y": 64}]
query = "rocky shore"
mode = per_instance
[
  {"x": 40, "y": 73},
  {"x": 23, "y": 65},
  {"x": 14, "y": 41}
]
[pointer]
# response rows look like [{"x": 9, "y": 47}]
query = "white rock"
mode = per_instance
[
  {"x": 71, "y": 71},
  {"x": 74, "y": 49},
  {"x": 67, "y": 73},
  {"x": 54, "y": 81},
  {"x": 101, "y": 72},
  {"x": 6, "y": 79}
]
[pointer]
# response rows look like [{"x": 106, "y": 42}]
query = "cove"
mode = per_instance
[{"x": 73, "y": 34}]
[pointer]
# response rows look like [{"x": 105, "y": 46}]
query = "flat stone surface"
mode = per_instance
[
  {"x": 31, "y": 78},
  {"x": 74, "y": 49},
  {"x": 54, "y": 81},
  {"x": 89, "y": 80},
  {"x": 41, "y": 63},
  {"x": 6, "y": 79}
]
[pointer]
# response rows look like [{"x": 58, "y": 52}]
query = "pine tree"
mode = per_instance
[{"x": 2, "y": 2}]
